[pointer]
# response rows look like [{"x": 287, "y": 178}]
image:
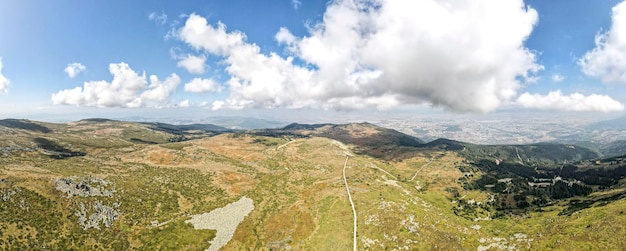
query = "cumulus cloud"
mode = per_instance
[
  {"x": 608, "y": 59},
  {"x": 158, "y": 18},
  {"x": 161, "y": 90},
  {"x": 4, "y": 82},
  {"x": 193, "y": 64},
  {"x": 465, "y": 56},
  {"x": 127, "y": 89},
  {"x": 199, "y": 85},
  {"x": 74, "y": 69},
  {"x": 555, "y": 100},
  {"x": 284, "y": 36},
  {"x": 214, "y": 39}
]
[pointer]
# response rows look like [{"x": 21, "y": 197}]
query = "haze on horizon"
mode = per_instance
[{"x": 340, "y": 60}]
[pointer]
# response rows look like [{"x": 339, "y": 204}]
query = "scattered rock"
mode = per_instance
[
  {"x": 90, "y": 187},
  {"x": 512, "y": 243},
  {"x": 103, "y": 214},
  {"x": 411, "y": 224},
  {"x": 368, "y": 243},
  {"x": 85, "y": 187},
  {"x": 373, "y": 220},
  {"x": 7, "y": 194},
  {"x": 5, "y": 151}
]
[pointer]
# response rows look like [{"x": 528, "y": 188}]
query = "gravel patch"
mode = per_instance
[{"x": 225, "y": 220}]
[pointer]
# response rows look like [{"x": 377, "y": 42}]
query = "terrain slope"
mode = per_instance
[{"x": 101, "y": 184}]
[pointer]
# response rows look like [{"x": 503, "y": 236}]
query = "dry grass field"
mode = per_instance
[{"x": 296, "y": 185}]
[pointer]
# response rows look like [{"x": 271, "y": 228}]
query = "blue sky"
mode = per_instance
[{"x": 223, "y": 57}]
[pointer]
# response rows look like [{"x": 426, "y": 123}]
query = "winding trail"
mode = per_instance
[
  {"x": 432, "y": 159},
  {"x": 351, "y": 202},
  {"x": 425, "y": 165},
  {"x": 383, "y": 170},
  {"x": 286, "y": 144}
]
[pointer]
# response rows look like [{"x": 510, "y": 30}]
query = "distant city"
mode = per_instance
[{"x": 513, "y": 130}]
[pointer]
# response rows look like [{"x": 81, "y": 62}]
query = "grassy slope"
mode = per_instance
[{"x": 300, "y": 200}]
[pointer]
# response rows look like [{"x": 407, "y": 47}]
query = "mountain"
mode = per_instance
[
  {"x": 614, "y": 148},
  {"x": 100, "y": 184},
  {"x": 606, "y": 125},
  {"x": 367, "y": 138},
  {"x": 605, "y": 149},
  {"x": 244, "y": 123},
  {"x": 533, "y": 154},
  {"x": 24, "y": 124},
  {"x": 178, "y": 129}
]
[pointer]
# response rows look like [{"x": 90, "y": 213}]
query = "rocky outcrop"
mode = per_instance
[
  {"x": 103, "y": 214},
  {"x": 5, "y": 151},
  {"x": 85, "y": 187},
  {"x": 98, "y": 214}
]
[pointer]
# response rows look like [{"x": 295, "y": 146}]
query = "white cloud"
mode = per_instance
[
  {"x": 608, "y": 59},
  {"x": 184, "y": 103},
  {"x": 161, "y": 90},
  {"x": 158, "y": 18},
  {"x": 199, "y": 85},
  {"x": 4, "y": 82},
  {"x": 74, "y": 69},
  {"x": 555, "y": 100},
  {"x": 284, "y": 36},
  {"x": 214, "y": 40},
  {"x": 465, "y": 56},
  {"x": 217, "y": 105},
  {"x": 127, "y": 89},
  {"x": 193, "y": 64},
  {"x": 557, "y": 78},
  {"x": 296, "y": 4}
]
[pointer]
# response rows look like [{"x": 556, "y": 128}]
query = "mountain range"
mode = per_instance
[{"x": 108, "y": 184}]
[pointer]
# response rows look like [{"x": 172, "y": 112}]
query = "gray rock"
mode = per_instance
[
  {"x": 7, "y": 194},
  {"x": 102, "y": 214},
  {"x": 85, "y": 187}
]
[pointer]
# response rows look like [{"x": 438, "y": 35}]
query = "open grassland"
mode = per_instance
[{"x": 296, "y": 184}]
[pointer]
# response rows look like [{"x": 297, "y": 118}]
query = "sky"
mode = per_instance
[{"x": 113, "y": 58}]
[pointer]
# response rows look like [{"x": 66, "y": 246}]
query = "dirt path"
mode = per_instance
[
  {"x": 425, "y": 165},
  {"x": 383, "y": 170},
  {"x": 351, "y": 202},
  {"x": 286, "y": 144}
]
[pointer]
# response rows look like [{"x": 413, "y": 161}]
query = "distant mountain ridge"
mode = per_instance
[
  {"x": 98, "y": 120},
  {"x": 390, "y": 144},
  {"x": 188, "y": 127},
  {"x": 24, "y": 124},
  {"x": 366, "y": 137},
  {"x": 611, "y": 124}
]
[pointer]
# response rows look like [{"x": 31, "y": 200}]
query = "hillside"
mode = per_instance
[
  {"x": 367, "y": 138},
  {"x": 115, "y": 185}
]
